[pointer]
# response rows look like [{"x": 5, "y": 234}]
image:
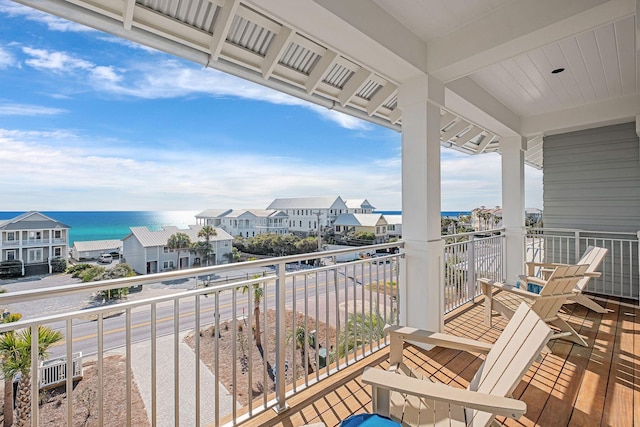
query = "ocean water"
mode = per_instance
[{"x": 107, "y": 225}]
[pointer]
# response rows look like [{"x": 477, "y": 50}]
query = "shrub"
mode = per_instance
[
  {"x": 58, "y": 265},
  {"x": 10, "y": 268}
]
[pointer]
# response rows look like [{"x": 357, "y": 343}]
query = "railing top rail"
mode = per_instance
[
  {"x": 473, "y": 233},
  {"x": 574, "y": 230},
  {"x": 56, "y": 291}
]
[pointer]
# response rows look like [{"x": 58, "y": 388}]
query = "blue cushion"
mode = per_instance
[
  {"x": 535, "y": 289},
  {"x": 368, "y": 420}
]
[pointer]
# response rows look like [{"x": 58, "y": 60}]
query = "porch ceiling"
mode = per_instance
[{"x": 494, "y": 56}]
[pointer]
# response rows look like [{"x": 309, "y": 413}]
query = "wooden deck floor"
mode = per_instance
[{"x": 572, "y": 386}]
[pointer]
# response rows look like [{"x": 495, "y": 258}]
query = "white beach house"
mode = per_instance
[
  {"x": 308, "y": 215},
  {"x": 246, "y": 222},
  {"x": 34, "y": 239},
  {"x": 359, "y": 206},
  {"x": 375, "y": 224}
]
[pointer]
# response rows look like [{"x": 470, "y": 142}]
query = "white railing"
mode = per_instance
[
  {"x": 620, "y": 268},
  {"x": 313, "y": 323},
  {"x": 53, "y": 372},
  {"x": 467, "y": 257}
]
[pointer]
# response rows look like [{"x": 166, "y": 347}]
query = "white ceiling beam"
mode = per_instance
[
  {"x": 454, "y": 130},
  {"x": 381, "y": 97},
  {"x": 353, "y": 85},
  {"x": 603, "y": 113},
  {"x": 277, "y": 47},
  {"x": 323, "y": 66},
  {"x": 128, "y": 7},
  {"x": 468, "y": 136},
  {"x": 517, "y": 27},
  {"x": 535, "y": 143},
  {"x": 467, "y": 99},
  {"x": 221, "y": 29}
]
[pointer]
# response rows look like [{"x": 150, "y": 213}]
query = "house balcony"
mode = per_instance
[
  {"x": 191, "y": 356},
  {"x": 32, "y": 243}
]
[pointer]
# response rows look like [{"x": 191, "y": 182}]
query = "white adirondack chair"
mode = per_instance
[
  {"x": 414, "y": 400},
  {"x": 593, "y": 256},
  {"x": 557, "y": 287}
]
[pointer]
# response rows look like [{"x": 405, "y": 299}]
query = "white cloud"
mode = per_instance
[
  {"x": 28, "y": 110},
  {"x": 6, "y": 59},
  {"x": 77, "y": 174},
  {"x": 55, "y": 61},
  {"x": 170, "y": 79},
  {"x": 52, "y": 22}
]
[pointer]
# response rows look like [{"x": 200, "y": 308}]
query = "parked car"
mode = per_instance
[{"x": 105, "y": 259}]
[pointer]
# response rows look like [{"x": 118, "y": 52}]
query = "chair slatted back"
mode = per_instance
[
  {"x": 558, "y": 288},
  {"x": 593, "y": 257},
  {"x": 510, "y": 358}
]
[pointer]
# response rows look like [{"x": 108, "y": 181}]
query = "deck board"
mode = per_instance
[{"x": 572, "y": 386}]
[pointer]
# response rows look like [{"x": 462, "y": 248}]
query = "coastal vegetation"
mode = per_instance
[
  {"x": 91, "y": 273},
  {"x": 179, "y": 242},
  {"x": 271, "y": 244}
]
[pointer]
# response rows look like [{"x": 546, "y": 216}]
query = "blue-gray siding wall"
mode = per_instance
[
  {"x": 592, "y": 179},
  {"x": 592, "y": 182}
]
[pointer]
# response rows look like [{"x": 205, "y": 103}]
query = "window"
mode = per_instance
[
  {"x": 168, "y": 265},
  {"x": 57, "y": 252},
  {"x": 309, "y": 224},
  {"x": 337, "y": 228},
  {"x": 11, "y": 236},
  {"x": 11, "y": 255},
  {"x": 35, "y": 235},
  {"x": 300, "y": 223},
  {"x": 166, "y": 249},
  {"x": 57, "y": 234}
]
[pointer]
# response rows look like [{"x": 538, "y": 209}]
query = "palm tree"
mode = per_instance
[
  {"x": 7, "y": 413},
  {"x": 179, "y": 242},
  {"x": 15, "y": 350},
  {"x": 300, "y": 335},
  {"x": 258, "y": 293},
  {"x": 207, "y": 232}
]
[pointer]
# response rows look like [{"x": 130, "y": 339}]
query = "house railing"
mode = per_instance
[
  {"x": 53, "y": 372},
  {"x": 620, "y": 268},
  {"x": 316, "y": 316},
  {"x": 468, "y": 256}
]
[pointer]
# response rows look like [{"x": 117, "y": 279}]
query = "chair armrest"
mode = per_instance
[
  {"x": 453, "y": 342},
  {"x": 497, "y": 405},
  {"x": 512, "y": 289}
]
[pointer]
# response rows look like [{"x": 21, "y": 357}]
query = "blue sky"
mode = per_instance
[{"x": 92, "y": 122}]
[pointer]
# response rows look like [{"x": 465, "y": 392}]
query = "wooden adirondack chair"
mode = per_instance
[
  {"x": 593, "y": 256},
  {"x": 558, "y": 286},
  {"x": 414, "y": 400}
]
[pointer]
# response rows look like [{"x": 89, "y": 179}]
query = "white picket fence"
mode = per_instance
[{"x": 53, "y": 372}]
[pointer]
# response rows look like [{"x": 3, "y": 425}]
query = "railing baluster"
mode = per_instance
[
  {"x": 154, "y": 367},
  {"x": 69, "y": 372},
  {"x": 280, "y": 337},
  {"x": 100, "y": 395},
  {"x": 129, "y": 374}
]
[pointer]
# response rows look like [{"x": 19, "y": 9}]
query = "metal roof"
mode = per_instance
[
  {"x": 97, "y": 245},
  {"x": 32, "y": 221},
  {"x": 360, "y": 220},
  {"x": 320, "y": 202},
  {"x": 149, "y": 238}
]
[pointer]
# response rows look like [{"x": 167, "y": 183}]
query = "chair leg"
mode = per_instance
[
  {"x": 488, "y": 303},
  {"x": 569, "y": 333},
  {"x": 590, "y": 304}
]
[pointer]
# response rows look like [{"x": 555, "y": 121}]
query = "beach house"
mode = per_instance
[
  {"x": 246, "y": 222},
  {"x": 34, "y": 239},
  {"x": 310, "y": 215},
  {"x": 545, "y": 83},
  {"x": 147, "y": 251},
  {"x": 350, "y": 224},
  {"x": 361, "y": 206}
]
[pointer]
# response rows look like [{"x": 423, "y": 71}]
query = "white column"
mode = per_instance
[
  {"x": 421, "y": 291},
  {"x": 512, "y": 150}
]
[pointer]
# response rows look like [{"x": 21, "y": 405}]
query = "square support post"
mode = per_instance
[
  {"x": 513, "y": 213},
  {"x": 421, "y": 288}
]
